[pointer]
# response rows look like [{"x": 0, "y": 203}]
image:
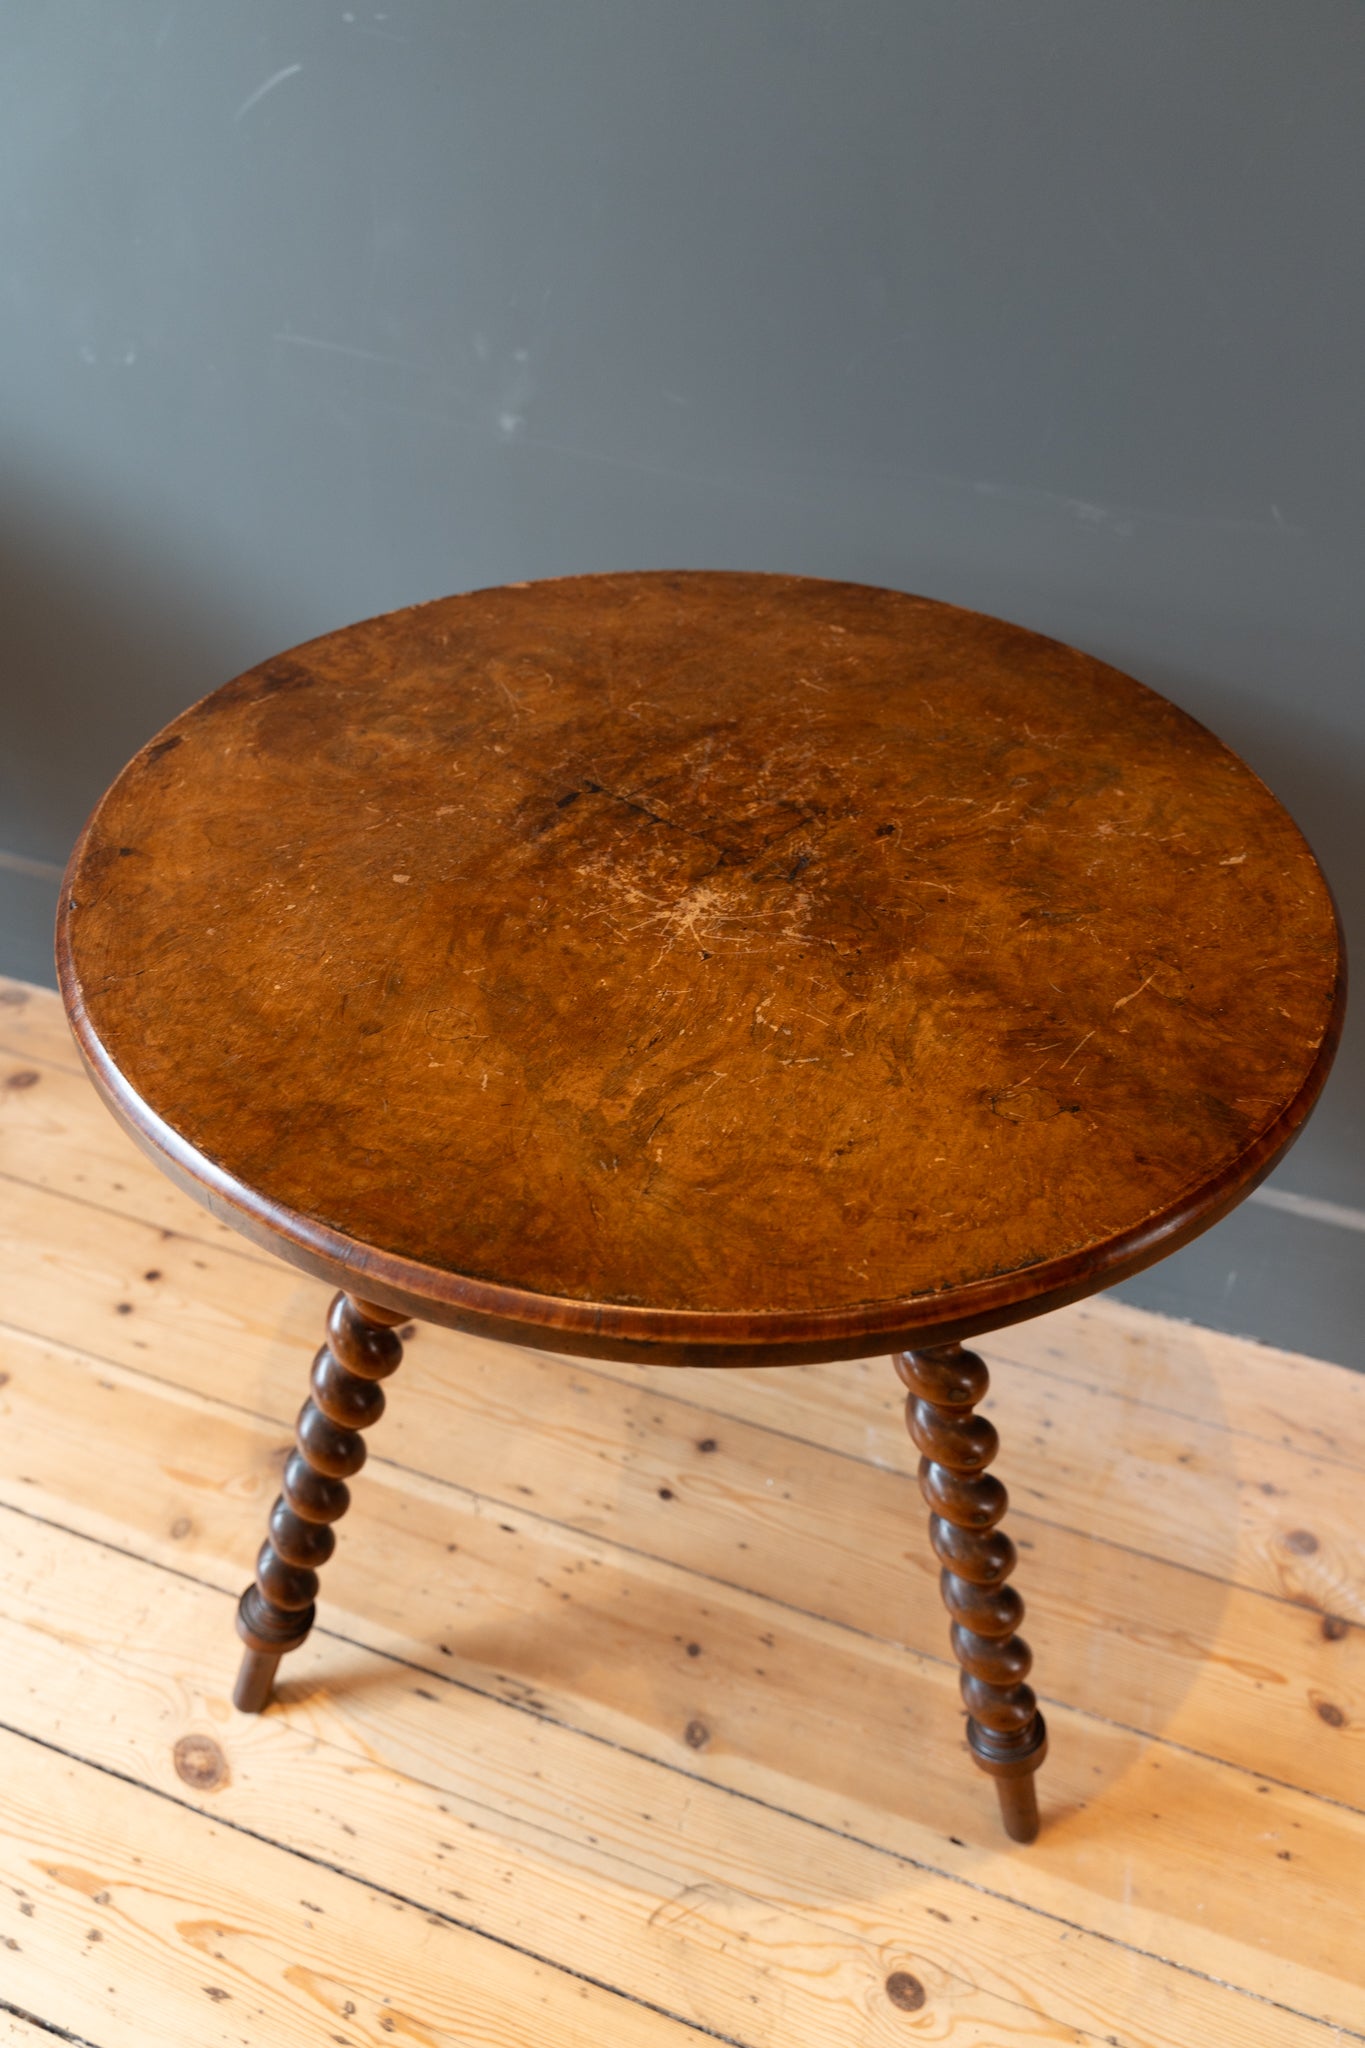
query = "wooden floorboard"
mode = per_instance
[
  {"x": 18, "y": 2030},
  {"x": 630, "y": 1714}
]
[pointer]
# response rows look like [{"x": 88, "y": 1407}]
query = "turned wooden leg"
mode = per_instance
[
  {"x": 276, "y": 1612},
  {"x": 1004, "y": 1727}
]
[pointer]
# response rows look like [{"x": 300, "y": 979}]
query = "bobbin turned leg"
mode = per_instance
[
  {"x": 1004, "y": 1728},
  {"x": 276, "y": 1612}
]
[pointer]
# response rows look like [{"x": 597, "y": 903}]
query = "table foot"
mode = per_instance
[
  {"x": 255, "y": 1677},
  {"x": 277, "y": 1612},
  {"x": 1005, "y": 1730},
  {"x": 1019, "y": 1807}
]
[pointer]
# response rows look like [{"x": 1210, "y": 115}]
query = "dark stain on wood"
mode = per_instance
[
  {"x": 906, "y": 1993},
  {"x": 201, "y": 1763}
]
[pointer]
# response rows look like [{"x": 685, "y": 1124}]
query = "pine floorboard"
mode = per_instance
[{"x": 630, "y": 1715}]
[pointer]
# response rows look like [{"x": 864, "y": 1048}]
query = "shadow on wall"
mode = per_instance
[
  {"x": 107, "y": 635},
  {"x": 110, "y": 628}
]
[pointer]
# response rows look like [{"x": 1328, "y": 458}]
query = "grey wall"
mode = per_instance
[{"x": 1047, "y": 307}]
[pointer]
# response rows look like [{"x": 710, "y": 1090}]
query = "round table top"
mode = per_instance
[{"x": 702, "y": 967}]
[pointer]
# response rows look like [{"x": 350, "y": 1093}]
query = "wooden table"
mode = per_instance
[{"x": 700, "y": 969}]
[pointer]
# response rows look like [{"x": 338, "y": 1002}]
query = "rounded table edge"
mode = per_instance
[{"x": 685, "y": 1336}]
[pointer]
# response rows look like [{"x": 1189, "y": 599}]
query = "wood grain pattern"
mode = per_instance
[
  {"x": 1217, "y": 1589},
  {"x": 173, "y": 1916},
  {"x": 1100, "y": 1345},
  {"x": 30, "y": 1023},
  {"x": 1108, "y": 1347},
  {"x": 744, "y": 1918},
  {"x": 854, "y": 1733},
  {"x": 702, "y": 967},
  {"x": 500, "y": 1732}
]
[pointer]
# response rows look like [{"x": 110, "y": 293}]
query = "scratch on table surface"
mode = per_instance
[
  {"x": 1077, "y": 1046},
  {"x": 1133, "y": 993}
]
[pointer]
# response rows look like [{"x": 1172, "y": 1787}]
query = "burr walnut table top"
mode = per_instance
[{"x": 702, "y": 967}]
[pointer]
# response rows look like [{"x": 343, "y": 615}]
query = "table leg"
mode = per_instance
[
  {"x": 276, "y": 1612},
  {"x": 1004, "y": 1727}
]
